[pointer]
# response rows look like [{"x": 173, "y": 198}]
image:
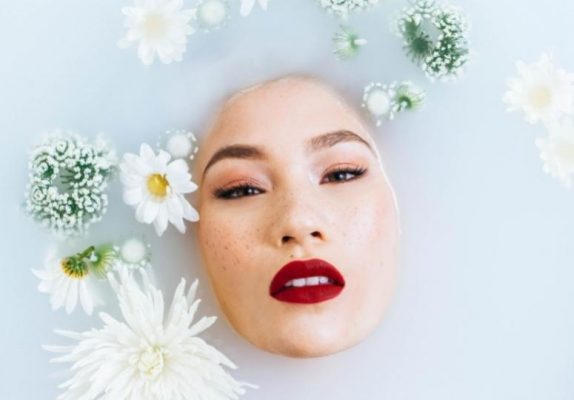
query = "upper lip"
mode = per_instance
[{"x": 304, "y": 269}]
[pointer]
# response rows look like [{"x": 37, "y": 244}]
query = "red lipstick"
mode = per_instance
[{"x": 306, "y": 281}]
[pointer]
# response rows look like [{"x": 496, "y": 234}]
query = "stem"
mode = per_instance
[{"x": 86, "y": 253}]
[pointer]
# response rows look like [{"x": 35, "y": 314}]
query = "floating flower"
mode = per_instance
[
  {"x": 384, "y": 101},
  {"x": 70, "y": 279},
  {"x": 557, "y": 151},
  {"x": 211, "y": 14},
  {"x": 247, "y": 6},
  {"x": 133, "y": 253},
  {"x": 160, "y": 27},
  {"x": 435, "y": 37},
  {"x": 67, "y": 181},
  {"x": 347, "y": 43},
  {"x": 179, "y": 144},
  {"x": 408, "y": 96},
  {"x": 342, "y": 8},
  {"x": 542, "y": 91},
  {"x": 103, "y": 259},
  {"x": 156, "y": 187},
  {"x": 149, "y": 354}
]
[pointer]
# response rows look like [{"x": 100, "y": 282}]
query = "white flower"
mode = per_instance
[
  {"x": 435, "y": 37},
  {"x": 133, "y": 253},
  {"x": 347, "y": 43},
  {"x": 342, "y": 8},
  {"x": 160, "y": 26},
  {"x": 384, "y": 101},
  {"x": 557, "y": 151},
  {"x": 378, "y": 99},
  {"x": 149, "y": 354},
  {"x": 541, "y": 90},
  {"x": 68, "y": 177},
  {"x": 156, "y": 188},
  {"x": 211, "y": 14},
  {"x": 68, "y": 279},
  {"x": 179, "y": 143},
  {"x": 247, "y": 6}
]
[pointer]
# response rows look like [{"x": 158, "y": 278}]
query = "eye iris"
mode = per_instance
[
  {"x": 248, "y": 190},
  {"x": 341, "y": 175},
  {"x": 242, "y": 191},
  {"x": 344, "y": 175}
]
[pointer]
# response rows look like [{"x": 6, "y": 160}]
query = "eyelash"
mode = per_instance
[{"x": 231, "y": 193}]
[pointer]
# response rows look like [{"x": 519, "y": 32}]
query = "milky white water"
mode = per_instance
[{"x": 483, "y": 308}]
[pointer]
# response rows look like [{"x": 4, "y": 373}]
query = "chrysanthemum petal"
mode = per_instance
[{"x": 127, "y": 359}]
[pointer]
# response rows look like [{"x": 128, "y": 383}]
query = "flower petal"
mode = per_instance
[
  {"x": 133, "y": 197},
  {"x": 72, "y": 296},
  {"x": 150, "y": 211},
  {"x": 86, "y": 299}
]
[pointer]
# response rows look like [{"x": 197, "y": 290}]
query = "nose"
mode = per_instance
[{"x": 299, "y": 220}]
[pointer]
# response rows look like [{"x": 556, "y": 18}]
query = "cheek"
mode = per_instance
[
  {"x": 373, "y": 222},
  {"x": 372, "y": 237},
  {"x": 224, "y": 241}
]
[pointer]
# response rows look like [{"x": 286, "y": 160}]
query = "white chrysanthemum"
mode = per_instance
[
  {"x": 160, "y": 26},
  {"x": 149, "y": 354},
  {"x": 68, "y": 280},
  {"x": 156, "y": 187},
  {"x": 557, "y": 151},
  {"x": 247, "y": 6},
  {"x": 543, "y": 91}
]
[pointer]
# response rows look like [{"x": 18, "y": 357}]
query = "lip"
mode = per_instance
[{"x": 306, "y": 294}]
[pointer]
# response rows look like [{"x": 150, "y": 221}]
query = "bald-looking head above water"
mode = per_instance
[{"x": 298, "y": 227}]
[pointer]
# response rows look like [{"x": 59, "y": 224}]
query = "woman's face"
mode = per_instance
[{"x": 289, "y": 173}]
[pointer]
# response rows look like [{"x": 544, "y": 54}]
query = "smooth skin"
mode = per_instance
[{"x": 295, "y": 205}]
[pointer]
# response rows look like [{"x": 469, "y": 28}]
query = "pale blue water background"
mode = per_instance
[{"x": 484, "y": 307}]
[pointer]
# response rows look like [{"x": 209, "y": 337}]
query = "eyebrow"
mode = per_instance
[{"x": 251, "y": 152}]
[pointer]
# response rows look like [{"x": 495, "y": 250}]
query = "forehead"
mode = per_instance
[{"x": 280, "y": 116}]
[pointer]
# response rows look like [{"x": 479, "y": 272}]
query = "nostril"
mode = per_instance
[{"x": 316, "y": 234}]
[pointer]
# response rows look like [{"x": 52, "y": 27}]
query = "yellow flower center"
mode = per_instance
[
  {"x": 151, "y": 362},
  {"x": 540, "y": 96},
  {"x": 157, "y": 185},
  {"x": 74, "y": 267},
  {"x": 154, "y": 26}
]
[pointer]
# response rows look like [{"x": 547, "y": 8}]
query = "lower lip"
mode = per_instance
[{"x": 308, "y": 294}]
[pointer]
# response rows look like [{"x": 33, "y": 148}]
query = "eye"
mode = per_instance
[
  {"x": 236, "y": 192},
  {"x": 344, "y": 174}
]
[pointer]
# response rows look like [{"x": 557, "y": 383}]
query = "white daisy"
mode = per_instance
[
  {"x": 247, "y": 6},
  {"x": 541, "y": 90},
  {"x": 68, "y": 280},
  {"x": 557, "y": 151},
  {"x": 160, "y": 26},
  {"x": 149, "y": 354},
  {"x": 156, "y": 187}
]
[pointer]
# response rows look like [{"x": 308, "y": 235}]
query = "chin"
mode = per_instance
[{"x": 310, "y": 344}]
